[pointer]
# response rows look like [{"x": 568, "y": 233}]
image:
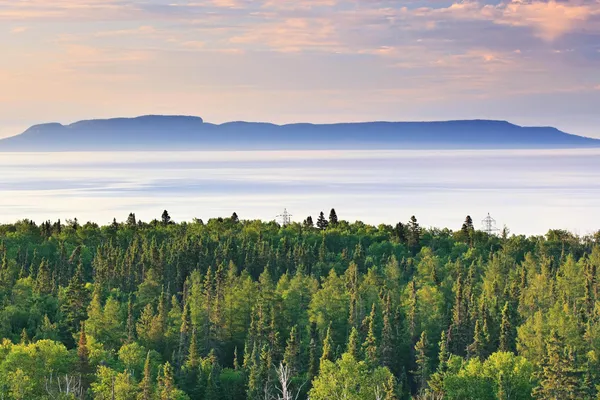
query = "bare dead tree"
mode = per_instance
[
  {"x": 284, "y": 375},
  {"x": 59, "y": 386}
]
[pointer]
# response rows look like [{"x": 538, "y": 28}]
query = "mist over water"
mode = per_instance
[{"x": 530, "y": 191}]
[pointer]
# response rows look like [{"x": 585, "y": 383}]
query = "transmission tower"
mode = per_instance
[
  {"x": 489, "y": 225},
  {"x": 286, "y": 217}
]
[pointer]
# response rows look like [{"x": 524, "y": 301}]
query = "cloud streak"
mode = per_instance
[{"x": 296, "y": 59}]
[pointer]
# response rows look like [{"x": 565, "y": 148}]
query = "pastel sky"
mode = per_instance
[{"x": 527, "y": 61}]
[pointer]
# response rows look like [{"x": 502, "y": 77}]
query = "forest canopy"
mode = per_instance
[{"x": 240, "y": 309}]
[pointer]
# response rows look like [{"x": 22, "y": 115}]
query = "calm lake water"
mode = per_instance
[{"x": 530, "y": 191}]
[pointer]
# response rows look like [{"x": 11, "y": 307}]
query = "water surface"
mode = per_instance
[{"x": 530, "y": 191}]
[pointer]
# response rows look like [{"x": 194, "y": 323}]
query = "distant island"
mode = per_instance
[{"x": 156, "y": 132}]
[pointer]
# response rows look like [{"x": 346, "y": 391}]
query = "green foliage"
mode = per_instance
[
  {"x": 502, "y": 375},
  {"x": 350, "y": 379},
  {"x": 167, "y": 310}
]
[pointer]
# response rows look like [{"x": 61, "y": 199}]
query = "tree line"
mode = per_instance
[{"x": 240, "y": 309}]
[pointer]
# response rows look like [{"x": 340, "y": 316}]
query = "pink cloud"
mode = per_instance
[{"x": 549, "y": 20}]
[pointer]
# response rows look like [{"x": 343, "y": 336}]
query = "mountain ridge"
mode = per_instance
[{"x": 179, "y": 132}]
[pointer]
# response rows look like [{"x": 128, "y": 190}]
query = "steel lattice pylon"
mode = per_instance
[
  {"x": 489, "y": 225},
  {"x": 286, "y": 217}
]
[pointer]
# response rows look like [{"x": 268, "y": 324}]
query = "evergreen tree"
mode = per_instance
[
  {"x": 130, "y": 321},
  {"x": 327, "y": 353},
  {"x": 83, "y": 355},
  {"x": 322, "y": 223},
  {"x": 165, "y": 218},
  {"x": 24, "y": 337},
  {"x": 387, "y": 336},
  {"x": 390, "y": 389},
  {"x": 353, "y": 344},
  {"x": 370, "y": 344},
  {"x": 333, "y": 219},
  {"x": 422, "y": 360},
  {"x": 507, "y": 334},
  {"x": 459, "y": 327},
  {"x": 313, "y": 352},
  {"x": 292, "y": 352},
  {"x": 477, "y": 348},
  {"x": 75, "y": 301},
  {"x": 444, "y": 355},
  {"x": 414, "y": 234},
  {"x": 131, "y": 221},
  {"x": 166, "y": 383},
  {"x": 400, "y": 232},
  {"x": 147, "y": 390},
  {"x": 43, "y": 283},
  {"x": 308, "y": 222},
  {"x": 557, "y": 379}
]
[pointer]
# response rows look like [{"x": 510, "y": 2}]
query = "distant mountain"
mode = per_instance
[{"x": 192, "y": 133}]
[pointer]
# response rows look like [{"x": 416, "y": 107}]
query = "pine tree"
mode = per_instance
[
  {"x": 236, "y": 363},
  {"x": 327, "y": 353},
  {"x": 47, "y": 330},
  {"x": 313, "y": 359},
  {"x": 292, "y": 352},
  {"x": 43, "y": 282},
  {"x": 83, "y": 355},
  {"x": 308, "y": 222},
  {"x": 322, "y": 223},
  {"x": 444, "y": 355},
  {"x": 184, "y": 331},
  {"x": 24, "y": 337},
  {"x": 370, "y": 344},
  {"x": 131, "y": 222},
  {"x": 146, "y": 388},
  {"x": 507, "y": 331},
  {"x": 352, "y": 347},
  {"x": 75, "y": 304},
  {"x": 166, "y": 218},
  {"x": 459, "y": 325},
  {"x": 130, "y": 321},
  {"x": 502, "y": 387},
  {"x": 477, "y": 348},
  {"x": 422, "y": 361},
  {"x": 333, "y": 219},
  {"x": 467, "y": 229},
  {"x": 387, "y": 336},
  {"x": 390, "y": 389},
  {"x": 166, "y": 383},
  {"x": 258, "y": 379},
  {"x": 412, "y": 309},
  {"x": 557, "y": 380},
  {"x": 400, "y": 232},
  {"x": 414, "y": 234}
]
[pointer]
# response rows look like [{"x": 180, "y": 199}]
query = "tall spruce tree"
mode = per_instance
[
  {"x": 292, "y": 352},
  {"x": 557, "y": 378},
  {"x": 327, "y": 353},
  {"x": 146, "y": 387},
  {"x": 333, "y": 219},
  {"x": 322, "y": 223},
  {"x": 353, "y": 344},
  {"x": 369, "y": 346},
  {"x": 421, "y": 374}
]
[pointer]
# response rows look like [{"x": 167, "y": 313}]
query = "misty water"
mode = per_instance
[{"x": 530, "y": 191}]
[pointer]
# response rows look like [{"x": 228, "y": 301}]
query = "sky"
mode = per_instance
[{"x": 529, "y": 62}]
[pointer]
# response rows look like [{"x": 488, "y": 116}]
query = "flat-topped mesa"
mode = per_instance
[{"x": 158, "y": 132}]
